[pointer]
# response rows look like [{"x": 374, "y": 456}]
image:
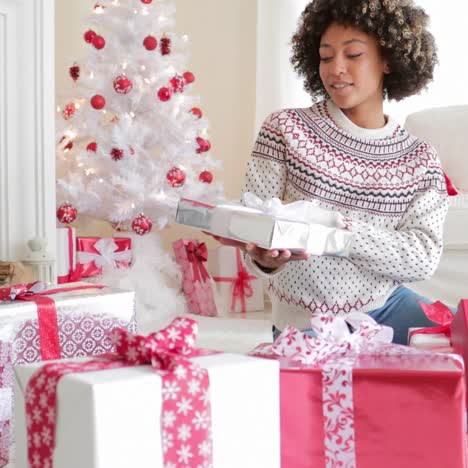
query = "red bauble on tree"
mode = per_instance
[
  {"x": 68, "y": 146},
  {"x": 74, "y": 72},
  {"x": 177, "y": 84},
  {"x": 150, "y": 43},
  {"x": 66, "y": 213},
  {"x": 98, "y": 102},
  {"x": 196, "y": 112},
  {"x": 122, "y": 84},
  {"x": 164, "y": 94},
  {"x": 206, "y": 177},
  {"x": 142, "y": 225},
  {"x": 203, "y": 145},
  {"x": 98, "y": 42},
  {"x": 117, "y": 154},
  {"x": 89, "y": 36},
  {"x": 69, "y": 111},
  {"x": 189, "y": 77},
  {"x": 165, "y": 46},
  {"x": 146, "y": 2},
  {"x": 92, "y": 147},
  {"x": 176, "y": 177}
]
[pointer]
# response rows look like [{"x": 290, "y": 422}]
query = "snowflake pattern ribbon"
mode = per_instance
[{"x": 186, "y": 409}]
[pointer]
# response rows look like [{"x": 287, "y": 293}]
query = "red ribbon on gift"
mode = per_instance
[
  {"x": 46, "y": 312},
  {"x": 438, "y": 313},
  {"x": 241, "y": 284},
  {"x": 197, "y": 254},
  {"x": 76, "y": 274},
  {"x": 185, "y": 388}
]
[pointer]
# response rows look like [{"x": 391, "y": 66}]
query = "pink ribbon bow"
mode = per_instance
[
  {"x": 185, "y": 388},
  {"x": 241, "y": 284},
  {"x": 197, "y": 254}
]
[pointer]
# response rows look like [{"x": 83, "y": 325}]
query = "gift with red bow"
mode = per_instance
[
  {"x": 39, "y": 324},
  {"x": 354, "y": 399},
  {"x": 95, "y": 254},
  {"x": 159, "y": 402},
  {"x": 197, "y": 284},
  {"x": 237, "y": 289}
]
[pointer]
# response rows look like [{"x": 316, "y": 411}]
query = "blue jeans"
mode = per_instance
[{"x": 401, "y": 311}]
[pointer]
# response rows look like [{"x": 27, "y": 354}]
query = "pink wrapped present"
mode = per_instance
[
  {"x": 191, "y": 256},
  {"x": 6, "y": 382},
  {"x": 38, "y": 324},
  {"x": 357, "y": 400},
  {"x": 96, "y": 253}
]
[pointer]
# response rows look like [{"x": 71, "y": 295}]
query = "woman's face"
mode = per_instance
[{"x": 351, "y": 67}]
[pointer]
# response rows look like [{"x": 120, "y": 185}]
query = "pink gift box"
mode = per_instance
[
  {"x": 82, "y": 320},
  {"x": 94, "y": 253},
  {"x": 196, "y": 283}
]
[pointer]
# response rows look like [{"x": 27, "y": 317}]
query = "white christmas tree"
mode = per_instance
[{"x": 132, "y": 140}]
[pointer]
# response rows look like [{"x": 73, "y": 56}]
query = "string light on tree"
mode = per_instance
[{"x": 66, "y": 213}]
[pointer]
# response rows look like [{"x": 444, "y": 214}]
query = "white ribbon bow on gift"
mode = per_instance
[
  {"x": 335, "y": 350},
  {"x": 303, "y": 211},
  {"x": 107, "y": 256}
]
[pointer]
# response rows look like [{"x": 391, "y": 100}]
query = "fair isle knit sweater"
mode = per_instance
[{"x": 387, "y": 183}]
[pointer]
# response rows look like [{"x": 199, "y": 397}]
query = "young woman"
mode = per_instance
[{"x": 344, "y": 154}]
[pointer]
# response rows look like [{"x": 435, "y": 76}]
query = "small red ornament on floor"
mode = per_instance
[
  {"x": 206, "y": 177},
  {"x": 69, "y": 111},
  {"x": 189, "y": 77},
  {"x": 117, "y": 154},
  {"x": 150, "y": 42},
  {"x": 123, "y": 85},
  {"x": 99, "y": 42},
  {"x": 141, "y": 225},
  {"x": 165, "y": 45},
  {"x": 176, "y": 177},
  {"x": 92, "y": 147},
  {"x": 196, "y": 112},
  {"x": 66, "y": 213},
  {"x": 74, "y": 72},
  {"x": 98, "y": 102},
  {"x": 177, "y": 84},
  {"x": 89, "y": 36},
  {"x": 203, "y": 145},
  {"x": 164, "y": 94}
]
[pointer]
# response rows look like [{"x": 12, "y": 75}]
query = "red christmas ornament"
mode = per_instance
[
  {"x": 98, "y": 42},
  {"x": 177, "y": 84},
  {"x": 146, "y": 2},
  {"x": 164, "y": 94},
  {"x": 189, "y": 77},
  {"x": 92, "y": 147},
  {"x": 132, "y": 151},
  {"x": 165, "y": 45},
  {"x": 75, "y": 72},
  {"x": 142, "y": 225},
  {"x": 196, "y": 112},
  {"x": 203, "y": 145},
  {"x": 117, "y": 154},
  {"x": 66, "y": 213},
  {"x": 98, "y": 101},
  {"x": 68, "y": 146},
  {"x": 150, "y": 42},
  {"x": 176, "y": 177},
  {"x": 206, "y": 177},
  {"x": 98, "y": 6},
  {"x": 122, "y": 84},
  {"x": 69, "y": 111},
  {"x": 89, "y": 36}
]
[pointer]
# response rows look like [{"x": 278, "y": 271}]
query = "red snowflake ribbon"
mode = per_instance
[{"x": 186, "y": 409}]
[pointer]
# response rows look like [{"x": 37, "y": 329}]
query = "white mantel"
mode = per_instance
[{"x": 27, "y": 137}]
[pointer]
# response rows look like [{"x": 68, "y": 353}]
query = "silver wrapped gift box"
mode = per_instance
[{"x": 299, "y": 226}]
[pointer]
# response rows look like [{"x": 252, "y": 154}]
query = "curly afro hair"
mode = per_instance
[{"x": 399, "y": 25}]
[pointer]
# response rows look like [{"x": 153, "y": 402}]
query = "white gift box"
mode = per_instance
[
  {"x": 111, "y": 419},
  {"x": 222, "y": 263},
  {"x": 422, "y": 340},
  {"x": 64, "y": 266}
]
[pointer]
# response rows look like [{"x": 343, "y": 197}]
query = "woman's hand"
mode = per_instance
[{"x": 270, "y": 259}]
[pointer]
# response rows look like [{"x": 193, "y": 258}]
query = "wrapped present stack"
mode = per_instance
[
  {"x": 39, "y": 324},
  {"x": 162, "y": 402}
]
